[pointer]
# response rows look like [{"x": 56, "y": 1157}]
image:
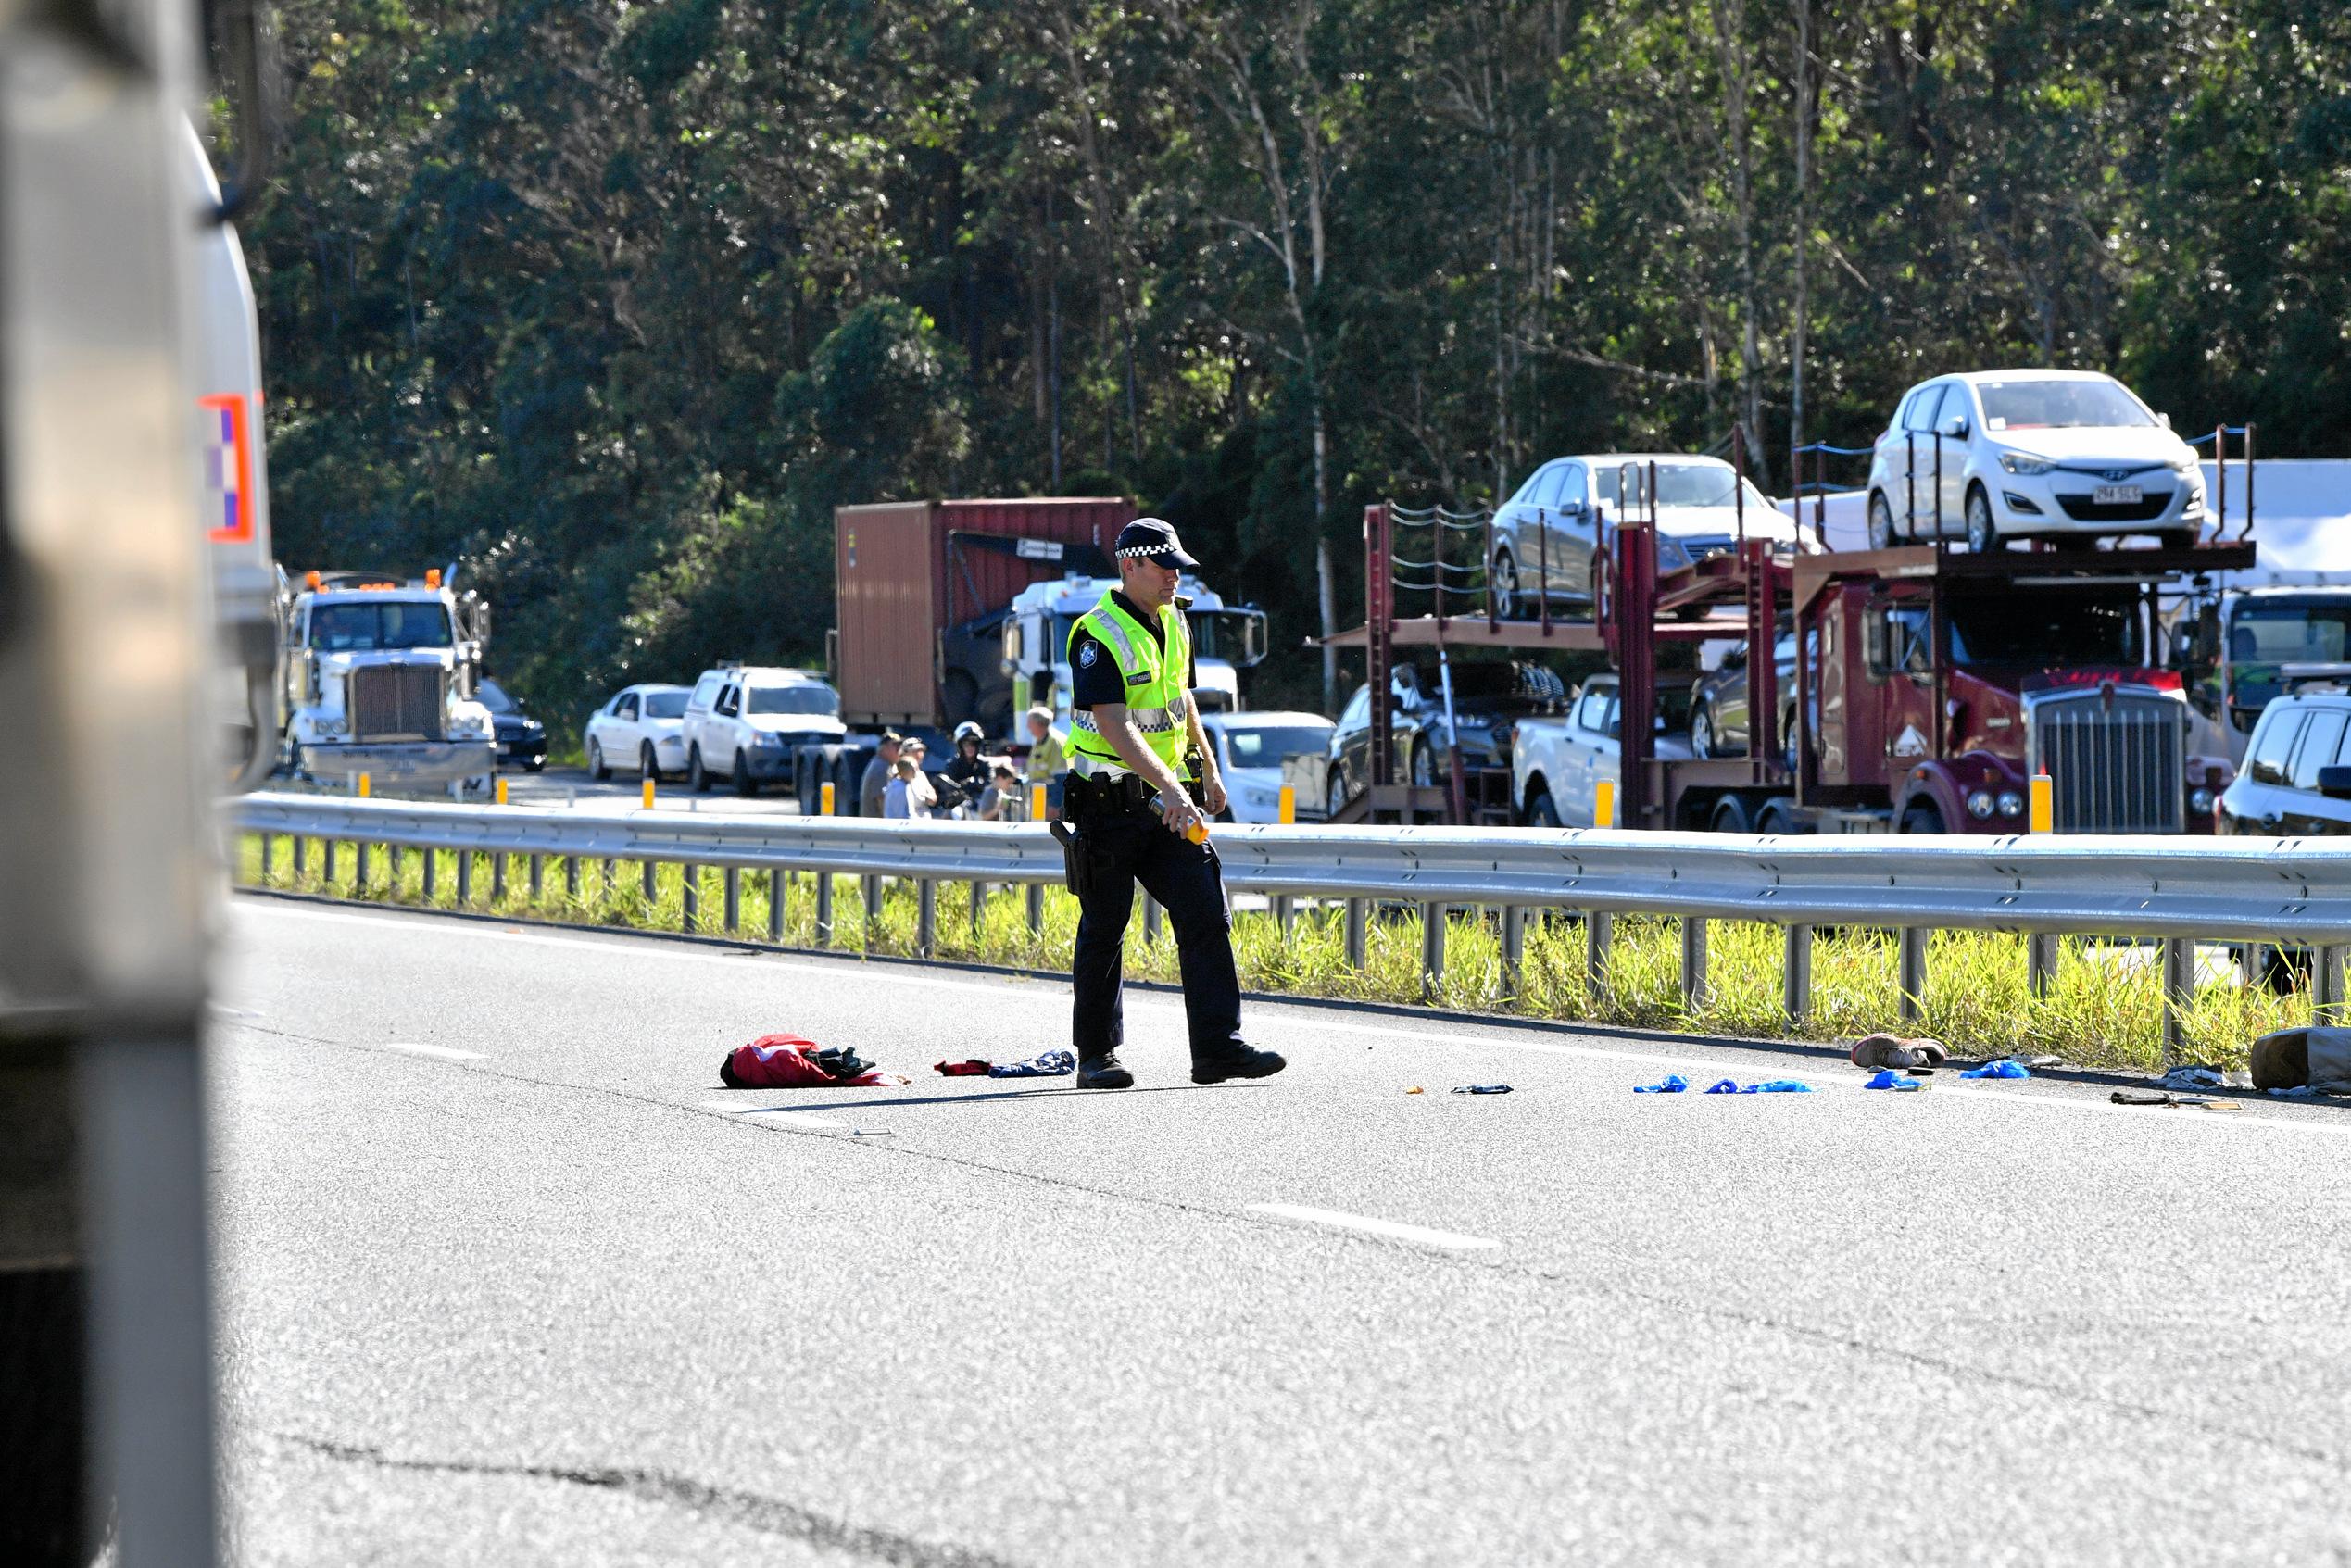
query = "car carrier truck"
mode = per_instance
[{"x": 1931, "y": 687}]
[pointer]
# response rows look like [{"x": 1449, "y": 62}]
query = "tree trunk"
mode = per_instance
[{"x": 1801, "y": 303}]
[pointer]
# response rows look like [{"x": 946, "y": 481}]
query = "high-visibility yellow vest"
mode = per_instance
[{"x": 1153, "y": 675}]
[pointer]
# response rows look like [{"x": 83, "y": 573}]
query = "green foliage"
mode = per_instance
[{"x": 618, "y": 302}]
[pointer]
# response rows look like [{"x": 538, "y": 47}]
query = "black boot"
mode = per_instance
[
  {"x": 1103, "y": 1072},
  {"x": 1235, "y": 1060}
]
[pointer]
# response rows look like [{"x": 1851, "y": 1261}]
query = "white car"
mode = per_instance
[
  {"x": 747, "y": 725},
  {"x": 1557, "y": 764},
  {"x": 1547, "y": 534},
  {"x": 642, "y": 726},
  {"x": 2031, "y": 455},
  {"x": 1251, "y": 746}
]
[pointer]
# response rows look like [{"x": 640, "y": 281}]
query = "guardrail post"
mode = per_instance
[
  {"x": 497, "y": 876},
  {"x": 1151, "y": 918},
  {"x": 1037, "y": 909},
  {"x": 925, "y": 917},
  {"x": 268, "y": 843},
  {"x": 872, "y": 888},
  {"x": 2041, "y": 961},
  {"x": 2327, "y": 983},
  {"x": 1285, "y": 913},
  {"x": 1795, "y": 973},
  {"x": 779, "y": 889},
  {"x": 652, "y": 880},
  {"x": 1432, "y": 950},
  {"x": 979, "y": 907},
  {"x": 2178, "y": 991},
  {"x": 301, "y": 857},
  {"x": 689, "y": 900},
  {"x": 732, "y": 880},
  {"x": 432, "y": 875},
  {"x": 465, "y": 878},
  {"x": 572, "y": 877},
  {"x": 1696, "y": 988},
  {"x": 392, "y": 868},
  {"x": 1911, "y": 972},
  {"x": 1514, "y": 948},
  {"x": 1358, "y": 931},
  {"x": 825, "y": 908},
  {"x": 359, "y": 869},
  {"x": 1600, "y": 934},
  {"x": 538, "y": 876},
  {"x": 327, "y": 860}
]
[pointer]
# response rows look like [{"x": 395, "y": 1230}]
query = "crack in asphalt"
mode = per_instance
[
  {"x": 768, "y": 1515},
  {"x": 1592, "y": 1288}
]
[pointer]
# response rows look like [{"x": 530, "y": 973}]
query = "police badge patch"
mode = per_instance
[{"x": 1086, "y": 652}]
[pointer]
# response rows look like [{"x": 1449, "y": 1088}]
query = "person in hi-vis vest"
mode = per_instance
[{"x": 1142, "y": 782}]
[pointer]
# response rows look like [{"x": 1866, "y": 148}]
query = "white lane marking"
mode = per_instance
[
  {"x": 782, "y": 1115},
  {"x": 1391, "y": 1229},
  {"x": 445, "y": 1053},
  {"x": 1403, "y": 1030}
]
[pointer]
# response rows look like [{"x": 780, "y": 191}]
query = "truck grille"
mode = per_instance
[
  {"x": 2116, "y": 764},
  {"x": 396, "y": 702}
]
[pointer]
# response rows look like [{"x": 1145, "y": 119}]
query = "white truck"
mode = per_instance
[
  {"x": 1227, "y": 639},
  {"x": 1557, "y": 764},
  {"x": 379, "y": 678}
]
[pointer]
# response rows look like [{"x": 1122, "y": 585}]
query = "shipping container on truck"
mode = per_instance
[{"x": 922, "y": 590}]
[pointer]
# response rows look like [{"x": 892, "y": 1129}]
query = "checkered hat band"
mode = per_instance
[{"x": 1145, "y": 550}]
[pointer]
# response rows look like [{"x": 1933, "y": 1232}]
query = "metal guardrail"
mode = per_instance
[{"x": 2288, "y": 892}]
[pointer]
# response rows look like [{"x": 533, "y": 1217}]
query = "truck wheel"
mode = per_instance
[
  {"x": 1925, "y": 817},
  {"x": 1337, "y": 798},
  {"x": 696, "y": 779},
  {"x": 1702, "y": 731},
  {"x": 1881, "y": 530},
  {"x": 1731, "y": 816},
  {"x": 1542, "y": 812},
  {"x": 597, "y": 769},
  {"x": 745, "y": 785},
  {"x": 1776, "y": 818}
]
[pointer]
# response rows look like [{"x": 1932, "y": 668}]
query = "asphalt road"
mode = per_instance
[
  {"x": 506, "y": 1277},
  {"x": 563, "y": 785}
]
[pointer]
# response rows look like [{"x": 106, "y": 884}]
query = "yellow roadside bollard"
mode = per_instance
[
  {"x": 648, "y": 792},
  {"x": 1603, "y": 804},
  {"x": 367, "y": 786},
  {"x": 2044, "y": 816},
  {"x": 501, "y": 786},
  {"x": 1289, "y": 813},
  {"x": 1037, "y": 803},
  {"x": 828, "y": 799}
]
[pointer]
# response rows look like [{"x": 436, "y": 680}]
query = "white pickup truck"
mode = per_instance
[{"x": 1556, "y": 764}]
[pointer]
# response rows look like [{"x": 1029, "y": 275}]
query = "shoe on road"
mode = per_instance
[
  {"x": 1104, "y": 1072},
  {"x": 1236, "y": 1062}
]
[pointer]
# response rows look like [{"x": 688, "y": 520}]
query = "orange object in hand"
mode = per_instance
[{"x": 1196, "y": 834}]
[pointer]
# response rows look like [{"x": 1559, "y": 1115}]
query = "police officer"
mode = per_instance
[{"x": 1141, "y": 777}]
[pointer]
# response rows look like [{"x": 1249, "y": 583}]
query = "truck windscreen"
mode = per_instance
[
  {"x": 376, "y": 626},
  {"x": 2264, "y": 637},
  {"x": 2046, "y": 631}
]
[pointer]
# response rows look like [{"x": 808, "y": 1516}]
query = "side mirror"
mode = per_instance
[
  {"x": 1955, "y": 427},
  {"x": 2164, "y": 420},
  {"x": 2334, "y": 780},
  {"x": 1572, "y": 508}
]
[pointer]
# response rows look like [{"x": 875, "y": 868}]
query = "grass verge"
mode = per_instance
[{"x": 2105, "y": 1007}]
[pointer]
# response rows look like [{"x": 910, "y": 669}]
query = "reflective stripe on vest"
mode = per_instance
[{"x": 1157, "y": 705}]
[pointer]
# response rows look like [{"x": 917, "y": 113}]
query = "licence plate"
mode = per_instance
[{"x": 2117, "y": 495}]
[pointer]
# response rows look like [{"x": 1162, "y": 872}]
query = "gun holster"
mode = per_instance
[{"x": 1075, "y": 870}]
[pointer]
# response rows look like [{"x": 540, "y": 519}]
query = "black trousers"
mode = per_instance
[{"x": 1123, "y": 848}]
